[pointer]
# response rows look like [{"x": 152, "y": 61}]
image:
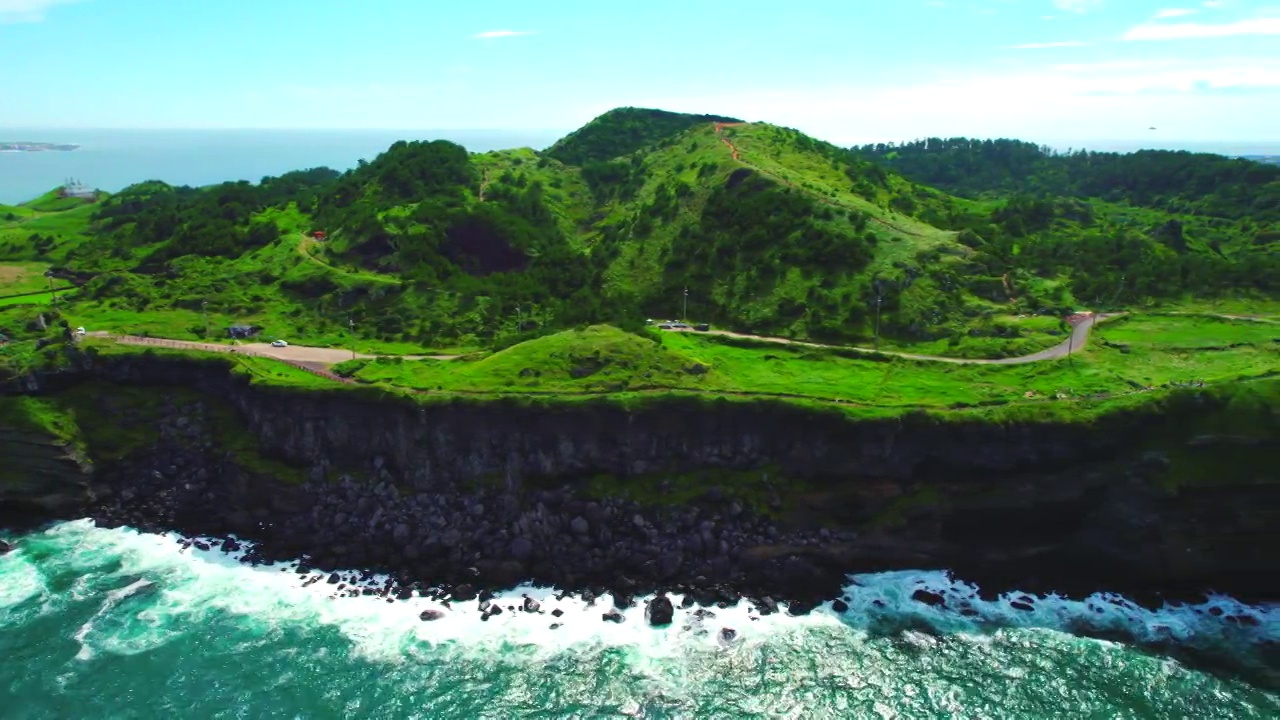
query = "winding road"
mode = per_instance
[
  {"x": 318, "y": 358},
  {"x": 1077, "y": 341}
]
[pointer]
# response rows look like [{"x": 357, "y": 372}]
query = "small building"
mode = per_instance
[
  {"x": 242, "y": 332},
  {"x": 75, "y": 189},
  {"x": 319, "y": 235}
]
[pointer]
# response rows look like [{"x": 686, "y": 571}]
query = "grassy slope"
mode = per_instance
[
  {"x": 276, "y": 286},
  {"x": 777, "y": 152},
  {"x": 67, "y": 226},
  {"x": 24, "y": 277},
  {"x": 564, "y": 192},
  {"x": 639, "y": 264},
  {"x": 603, "y": 359},
  {"x": 623, "y": 131}
]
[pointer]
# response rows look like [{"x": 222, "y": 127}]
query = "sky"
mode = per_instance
[{"x": 844, "y": 70}]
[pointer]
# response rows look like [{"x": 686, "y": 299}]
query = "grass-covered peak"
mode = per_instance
[
  {"x": 594, "y": 359},
  {"x": 597, "y": 356},
  {"x": 623, "y": 131}
]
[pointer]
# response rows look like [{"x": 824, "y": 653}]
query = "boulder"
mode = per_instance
[
  {"x": 5, "y": 547},
  {"x": 429, "y": 615},
  {"x": 334, "y": 579},
  {"x": 659, "y": 611},
  {"x": 612, "y": 616},
  {"x": 557, "y": 612},
  {"x": 840, "y": 606},
  {"x": 521, "y": 548},
  {"x": 580, "y": 526},
  {"x": 728, "y": 635},
  {"x": 531, "y": 606},
  {"x": 929, "y": 597}
]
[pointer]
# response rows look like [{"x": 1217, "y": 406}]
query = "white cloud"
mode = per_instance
[
  {"x": 1175, "y": 12},
  {"x": 19, "y": 11},
  {"x": 1076, "y": 6},
  {"x": 1113, "y": 100},
  {"x": 1180, "y": 31},
  {"x": 492, "y": 34},
  {"x": 1041, "y": 46},
  {"x": 1213, "y": 4}
]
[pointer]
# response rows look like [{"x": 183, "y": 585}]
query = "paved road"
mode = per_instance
[
  {"x": 1079, "y": 338},
  {"x": 332, "y": 356},
  {"x": 293, "y": 353}
]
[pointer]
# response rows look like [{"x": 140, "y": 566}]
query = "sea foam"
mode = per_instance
[{"x": 160, "y": 584}]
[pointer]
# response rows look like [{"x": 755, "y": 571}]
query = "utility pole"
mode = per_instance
[
  {"x": 205, "y": 314},
  {"x": 351, "y": 325},
  {"x": 48, "y": 275},
  {"x": 684, "y": 315}
]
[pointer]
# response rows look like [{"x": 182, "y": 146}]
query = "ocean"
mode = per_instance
[
  {"x": 113, "y": 159},
  {"x": 98, "y": 623}
]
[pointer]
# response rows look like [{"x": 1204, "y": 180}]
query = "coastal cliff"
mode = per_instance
[{"x": 762, "y": 498}]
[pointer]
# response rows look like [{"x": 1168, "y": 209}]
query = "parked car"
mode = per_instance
[
  {"x": 702, "y": 327},
  {"x": 664, "y": 326},
  {"x": 80, "y": 330},
  {"x": 679, "y": 326},
  {"x": 279, "y": 343}
]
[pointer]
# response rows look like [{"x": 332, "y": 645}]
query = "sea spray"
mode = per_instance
[{"x": 212, "y": 631}]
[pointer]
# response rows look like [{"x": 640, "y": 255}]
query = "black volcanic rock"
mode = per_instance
[
  {"x": 928, "y": 597},
  {"x": 659, "y": 611}
]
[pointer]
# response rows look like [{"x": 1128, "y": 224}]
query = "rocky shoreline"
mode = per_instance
[
  {"x": 466, "y": 546},
  {"x": 455, "y": 500}
]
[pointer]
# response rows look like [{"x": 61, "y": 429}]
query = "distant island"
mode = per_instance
[
  {"x": 35, "y": 147},
  {"x": 1269, "y": 159}
]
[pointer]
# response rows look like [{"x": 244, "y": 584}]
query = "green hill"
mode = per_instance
[
  {"x": 757, "y": 228},
  {"x": 623, "y": 131}
]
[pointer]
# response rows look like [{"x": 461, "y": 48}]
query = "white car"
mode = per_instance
[
  {"x": 279, "y": 343},
  {"x": 80, "y": 330}
]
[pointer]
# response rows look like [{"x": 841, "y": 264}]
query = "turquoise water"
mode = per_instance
[{"x": 101, "y": 623}]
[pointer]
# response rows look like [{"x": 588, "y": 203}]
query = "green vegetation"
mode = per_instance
[
  {"x": 606, "y": 360},
  {"x": 623, "y": 131},
  {"x": 18, "y": 278},
  {"x": 71, "y": 417},
  {"x": 1118, "y": 228},
  {"x": 760, "y": 229},
  {"x": 1178, "y": 182}
]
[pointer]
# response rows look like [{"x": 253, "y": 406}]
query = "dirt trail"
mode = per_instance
[
  {"x": 737, "y": 156},
  {"x": 1077, "y": 341},
  {"x": 306, "y": 242},
  {"x": 720, "y": 134}
]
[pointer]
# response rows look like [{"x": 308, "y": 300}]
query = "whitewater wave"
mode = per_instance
[
  {"x": 20, "y": 580},
  {"x": 157, "y": 585}
]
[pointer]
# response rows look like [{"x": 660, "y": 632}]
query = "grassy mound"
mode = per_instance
[{"x": 599, "y": 358}]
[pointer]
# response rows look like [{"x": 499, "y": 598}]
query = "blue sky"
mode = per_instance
[{"x": 844, "y": 70}]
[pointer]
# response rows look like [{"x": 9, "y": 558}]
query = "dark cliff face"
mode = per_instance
[
  {"x": 451, "y": 442},
  {"x": 1051, "y": 507}
]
